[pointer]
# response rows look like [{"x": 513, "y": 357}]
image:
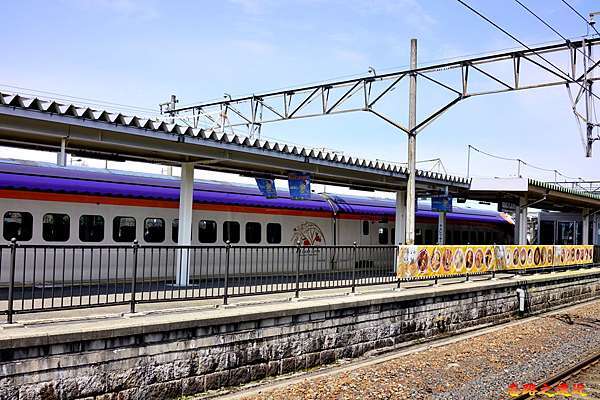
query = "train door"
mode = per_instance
[
  {"x": 383, "y": 233},
  {"x": 365, "y": 235}
]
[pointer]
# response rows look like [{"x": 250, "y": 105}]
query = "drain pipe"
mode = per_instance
[
  {"x": 522, "y": 294},
  {"x": 334, "y": 210}
]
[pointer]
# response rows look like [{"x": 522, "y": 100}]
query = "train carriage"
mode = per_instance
[{"x": 47, "y": 205}]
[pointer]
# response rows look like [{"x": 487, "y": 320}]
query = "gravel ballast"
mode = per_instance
[{"x": 478, "y": 368}]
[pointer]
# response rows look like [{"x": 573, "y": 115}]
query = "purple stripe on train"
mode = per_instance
[{"x": 110, "y": 183}]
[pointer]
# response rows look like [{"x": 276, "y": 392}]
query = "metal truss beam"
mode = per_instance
[{"x": 365, "y": 93}]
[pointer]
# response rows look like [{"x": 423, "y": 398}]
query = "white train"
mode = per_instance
[{"x": 44, "y": 205}]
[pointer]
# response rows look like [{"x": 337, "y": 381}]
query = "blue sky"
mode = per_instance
[{"x": 140, "y": 52}]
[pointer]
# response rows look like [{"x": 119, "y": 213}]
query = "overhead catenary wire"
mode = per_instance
[
  {"x": 525, "y": 163},
  {"x": 581, "y": 16},
  {"x": 62, "y": 96},
  {"x": 385, "y": 70},
  {"x": 551, "y": 28},
  {"x": 560, "y": 73}
]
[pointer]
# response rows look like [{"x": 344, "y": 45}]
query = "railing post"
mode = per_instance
[
  {"x": 11, "y": 284},
  {"x": 354, "y": 248},
  {"x": 136, "y": 246},
  {"x": 298, "y": 253},
  {"x": 226, "y": 282}
]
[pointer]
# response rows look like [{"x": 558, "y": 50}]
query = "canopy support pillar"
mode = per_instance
[
  {"x": 184, "y": 233},
  {"x": 400, "y": 236}
]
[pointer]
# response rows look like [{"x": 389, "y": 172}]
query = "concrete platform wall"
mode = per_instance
[{"x": 169, "y": 357}]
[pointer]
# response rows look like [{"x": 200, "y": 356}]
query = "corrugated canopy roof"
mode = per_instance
[{"x": 36, "y": 122}]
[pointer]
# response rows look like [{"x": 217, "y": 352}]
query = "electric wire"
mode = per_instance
[
  {"x": 560, "y": 71},
  {"x": 385, "y": 70},
  {"x": 62, "y": 96},
  {"x": 551, "y": 28},
  {"x": 581, "y": 16},
  {"x": 525, "y": 163}
]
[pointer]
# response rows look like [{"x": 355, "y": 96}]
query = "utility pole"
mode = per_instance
[
  {"x": 587, "y": 49},
  {"x": 411, "y": 198},
  {"x": 588, "y": 100},
  {"x": 468, "y": 160},
  {"x": 166, "y": 107}
]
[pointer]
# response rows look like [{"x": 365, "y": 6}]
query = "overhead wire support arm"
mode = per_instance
[{"x": 337, "y": 97}]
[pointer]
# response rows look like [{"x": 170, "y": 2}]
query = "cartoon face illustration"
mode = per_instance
[{"x": 308, "y": 234}]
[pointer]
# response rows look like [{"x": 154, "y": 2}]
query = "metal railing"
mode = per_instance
[{"x": 36, "y": 278}]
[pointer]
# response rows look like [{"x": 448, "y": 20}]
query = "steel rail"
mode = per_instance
[{"x": 563, "y": 375}]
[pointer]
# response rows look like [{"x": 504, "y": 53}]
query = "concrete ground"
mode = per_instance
[{"x": 40, "y": 326}]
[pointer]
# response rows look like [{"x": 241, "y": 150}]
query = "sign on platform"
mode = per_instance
[
  {"x": 299, "y": 185},
  {"x": 441, "y": 203},
  {"x": 267, "y": 187},
  {"x": 507, "y": 207}
]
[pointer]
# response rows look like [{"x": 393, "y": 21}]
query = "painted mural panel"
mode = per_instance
[{"x": 439, "y": 261}]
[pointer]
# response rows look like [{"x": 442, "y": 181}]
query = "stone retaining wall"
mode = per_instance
[{"x": 168, "y": 360}]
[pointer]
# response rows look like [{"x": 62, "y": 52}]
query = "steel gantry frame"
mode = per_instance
[{"x": 253, "y": 111}]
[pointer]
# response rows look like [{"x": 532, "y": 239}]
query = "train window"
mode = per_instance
[
  {"x": 175, "y": 231},
  {"x": 18, "y": 225},
  {"x": 124, "y": 229},
  {"x": 91, "y": 228},
  {"x": 383, "y": 235},
  {"x": 207, "y": 231},
  {"x": 480, "y": 238},
  {"x": 253, "y": 232},
  {"x": 448, "y": 237},
  {"x": 488, "y": 237},
  {"x": 456, "y": 235},
  {"x": 273, "y": 233},
  {"x": 231, "y": 231},
  {"x": 393, "y": 241},
  {"x": 56, "y": 227},
  {"x": 365, "y": 228},
  {"x": 566, "y": 232},
  {"x": 428, "y": 236},
  {"x": 418, "y": 236},
  {"x": 473, "y": 239},
  {"x": 154, "y": 230},
  {"x": 547, "y": 232},
  {"x": 465, "y": 237}
]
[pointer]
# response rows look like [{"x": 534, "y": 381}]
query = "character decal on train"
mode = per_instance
[{"x": 308, "y": 234}]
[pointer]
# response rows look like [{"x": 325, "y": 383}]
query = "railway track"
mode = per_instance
[{"x": 580, "y": 381}]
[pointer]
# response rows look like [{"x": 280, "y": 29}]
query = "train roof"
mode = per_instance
[{"x": 45, "y": 177}]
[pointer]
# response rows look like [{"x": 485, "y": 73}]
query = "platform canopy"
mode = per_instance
[
  {"x": 29, "y": 122},
  {"x": 534, "y": 193}
]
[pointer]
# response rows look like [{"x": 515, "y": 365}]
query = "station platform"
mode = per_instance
[{"x": 175, "y": 349}]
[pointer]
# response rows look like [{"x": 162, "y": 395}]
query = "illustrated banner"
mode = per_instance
[
  {"x": 522, "y": 257},
  {"x": 420, "y": 261},
  {"x": 433, "y": 260},
  {"x": 574, "y": 255}
]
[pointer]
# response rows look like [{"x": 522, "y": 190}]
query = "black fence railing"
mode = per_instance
[{"x": 36, "y": 278}]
